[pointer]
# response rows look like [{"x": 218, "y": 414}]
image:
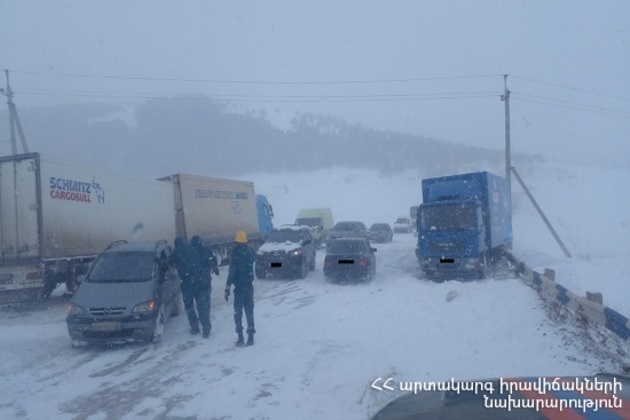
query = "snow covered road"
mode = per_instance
[{"x": 318, "y": 349}]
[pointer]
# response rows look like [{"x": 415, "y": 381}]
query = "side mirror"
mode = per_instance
[{"x": 373, "y": 249}]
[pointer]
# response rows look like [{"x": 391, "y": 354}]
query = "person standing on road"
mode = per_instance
[
  {"x": 195, "y": 285},
  {"x": 241, "y": 275},
  {"x": 208, "y": 263}
]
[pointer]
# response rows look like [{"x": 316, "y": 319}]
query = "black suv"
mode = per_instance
[
  {"x": 288, "y": 251},
  {"x": 128, "y": 294}
]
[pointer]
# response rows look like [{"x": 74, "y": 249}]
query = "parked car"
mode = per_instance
[
  {"x": 381, "y": 233},
  {"x": 348, "y": 229},
  {"x": 288, "y": 251},
  {"x": 128, "y": 294},
  {"x": 403, "y": 225},
  {"x": 513, "y": 399},
  {"x": 350, "y": 259}
]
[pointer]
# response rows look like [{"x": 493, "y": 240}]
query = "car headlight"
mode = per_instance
[
  {"x": 145, "y": 307},
  {"x": 296, "y": 252},
  {"x": 74, "y": 309}
]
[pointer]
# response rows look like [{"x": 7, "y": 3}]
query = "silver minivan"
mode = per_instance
[{"x": 128, "y": 294}]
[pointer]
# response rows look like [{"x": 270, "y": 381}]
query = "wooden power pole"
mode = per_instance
[{"x": 14, "y": 119}]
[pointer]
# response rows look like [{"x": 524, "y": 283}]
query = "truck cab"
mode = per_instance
[
  {"x": 464, "y": 223},
  {"x": 265, "y": 214},
  {"x": 452, "y": 237}
]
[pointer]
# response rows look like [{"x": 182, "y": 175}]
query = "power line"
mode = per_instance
[
  {"x": 571, "y": 87},
  {"x": 272, "y": 98},
  {"x": 613, "y": 113},
  {"x": 261, "y": 82}
]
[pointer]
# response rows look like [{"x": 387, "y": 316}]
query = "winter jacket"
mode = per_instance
[
  {"x": 241, "y": 271},
  {"x": 184, "y": 258},
  {"x": 207, "y": 261},
  {"x": 188, "y": 263}
]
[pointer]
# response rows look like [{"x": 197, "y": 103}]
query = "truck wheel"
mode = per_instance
[
  {"x": 49, "y": 287},
  {"x": 483, "y": 271},
  {"x": 72, "y": 285}
]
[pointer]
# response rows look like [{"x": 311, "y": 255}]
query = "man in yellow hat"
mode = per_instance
[{"x": 241, "y": 275}]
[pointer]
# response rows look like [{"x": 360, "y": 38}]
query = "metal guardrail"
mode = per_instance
[{"x": 580, "y": 306}]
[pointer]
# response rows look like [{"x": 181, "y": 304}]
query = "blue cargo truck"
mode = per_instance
[{"x": 464, "y": 223}]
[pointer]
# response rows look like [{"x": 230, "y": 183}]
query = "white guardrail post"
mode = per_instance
[{"x": 580, "y": 306}]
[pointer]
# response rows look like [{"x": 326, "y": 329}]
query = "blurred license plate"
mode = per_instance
[{"x": 106, "y": 326}]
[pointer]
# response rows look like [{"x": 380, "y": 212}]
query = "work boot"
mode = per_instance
[
  {"x": 240, "y": 342},
  {"x": 194, "y": 330},
  {"x": 206, "y": 332},
  {"x": 250, "y": 339}
]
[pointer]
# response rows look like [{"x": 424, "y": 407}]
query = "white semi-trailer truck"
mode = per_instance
[{"x": 55, "y": 218}]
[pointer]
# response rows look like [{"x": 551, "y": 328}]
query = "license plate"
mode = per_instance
[{"x": 106, "y": 326}]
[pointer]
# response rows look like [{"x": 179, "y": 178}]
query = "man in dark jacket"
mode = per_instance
[
  {"x": 195, "y": 285},
  {"x": 241, "y": 275},
  {"x": 208, "y": 263}
]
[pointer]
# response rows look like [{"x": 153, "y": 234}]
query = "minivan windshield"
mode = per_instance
[{"x": 122, "y": 267}]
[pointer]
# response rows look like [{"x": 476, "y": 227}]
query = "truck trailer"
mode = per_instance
[
  {"x": 216, "y": 208},
  {"x": 464, "y": 223},
  {"x": 56, "y": 218}
]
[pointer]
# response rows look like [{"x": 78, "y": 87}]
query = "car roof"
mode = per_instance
[
  {"x": 349, "y": 222},
  {"x": 136, "y": 246},
  {"x": 293, "y": 227},
  {"x": 350, "y": 240}
]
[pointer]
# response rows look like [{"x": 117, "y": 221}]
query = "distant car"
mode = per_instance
[
  {"x": 513, "y": 399},
  {"x": 381, "y": 233},
  {"x": 350, "y": 259},
  {"x": 403, "y": 225},
  {"x": 348, "y": 229},
  {"x": 128, "y": 294},
  {"x": 287, "y": 251}
]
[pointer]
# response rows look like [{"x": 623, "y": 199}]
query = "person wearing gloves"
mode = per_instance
[{"x": 241, "y": 275}]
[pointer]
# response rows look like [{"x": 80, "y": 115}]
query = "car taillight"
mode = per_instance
[
  {"x": 33, "y": 275},
  {"x": 327, "y": 262},
  {"x": 362, "y": 262}
]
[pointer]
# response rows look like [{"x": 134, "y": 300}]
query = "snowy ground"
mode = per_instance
[{"x": 320, "y": 346}]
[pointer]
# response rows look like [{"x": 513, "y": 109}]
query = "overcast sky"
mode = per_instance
[{"x": 433, "y": 68}]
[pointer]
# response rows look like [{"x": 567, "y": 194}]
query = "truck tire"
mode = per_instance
[
  {"x": 483, "y": 271},
  {"x": 72, "y": 285}
]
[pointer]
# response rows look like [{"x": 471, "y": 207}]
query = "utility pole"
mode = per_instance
[
  {"x": 14, "y": 119},
  {"x": 508, "y": 162}
]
